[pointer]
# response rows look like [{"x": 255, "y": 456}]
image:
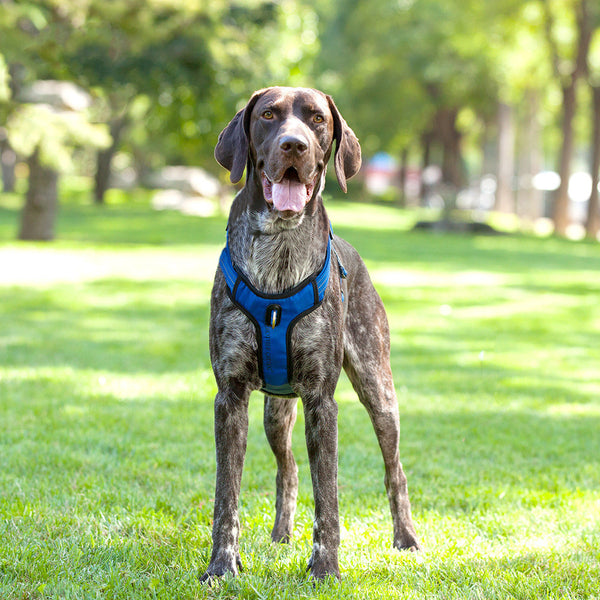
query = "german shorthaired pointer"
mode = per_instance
[{"x": 291, "y": 305}]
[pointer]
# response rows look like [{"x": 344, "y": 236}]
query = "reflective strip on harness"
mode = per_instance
[{"x": 274, "y": 317}]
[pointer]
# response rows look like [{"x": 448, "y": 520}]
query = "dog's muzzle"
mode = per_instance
[{"x": 289, "y": 193}]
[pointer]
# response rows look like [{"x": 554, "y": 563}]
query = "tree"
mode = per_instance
[
  {"x": 409, "y": 71},
  {"x": 520, "y": 62},
  {"x": 177, "y": 70},
  {"x": 7, "y": 155},
  {"x": 158, "y": 51},
  {"x": 593, "y": 216},
  {"x": 44, "y": 134},
  {"x": 569, "y": 64},
  {"x": 593, "y": 64},
  {"x": 48, "y": 136},
  {"x": 506, "y": 158}
]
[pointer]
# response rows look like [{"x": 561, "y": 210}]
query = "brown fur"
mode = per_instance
[{"x": 276, "y": 251}]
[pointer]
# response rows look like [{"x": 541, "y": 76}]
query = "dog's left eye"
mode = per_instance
[{"x": 319, "y": 119}]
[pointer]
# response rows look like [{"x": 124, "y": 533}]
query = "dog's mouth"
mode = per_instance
[{"x": 289, "y": 195}]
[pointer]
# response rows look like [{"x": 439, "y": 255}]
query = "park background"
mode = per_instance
[{"x": 474, "y": 117}]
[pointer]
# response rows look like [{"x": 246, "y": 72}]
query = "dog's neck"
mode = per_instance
[{"x": 273, "y": 255}]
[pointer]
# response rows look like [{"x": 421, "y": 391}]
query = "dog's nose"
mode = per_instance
[{"x": 293, "y": 144}]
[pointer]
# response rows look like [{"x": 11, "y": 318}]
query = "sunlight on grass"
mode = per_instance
[
  {"x": 401, "y": 277},
  {"x": 106, "y": 435},
  {"x": 577, "y": 409},
  {"x": 41, "y": 266},
  {"x": 378, "y": 217}
]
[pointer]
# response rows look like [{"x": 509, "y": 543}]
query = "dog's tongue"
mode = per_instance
[{"x": 289, "y": 194}]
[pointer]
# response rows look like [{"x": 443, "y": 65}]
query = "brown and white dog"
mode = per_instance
[{"x": 278, "y": 234}]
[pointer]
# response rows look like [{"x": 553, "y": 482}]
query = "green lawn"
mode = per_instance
[{"x": 106, "y": 448}]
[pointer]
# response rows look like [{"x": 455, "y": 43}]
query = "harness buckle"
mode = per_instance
[{"x": 273, "y": 315}]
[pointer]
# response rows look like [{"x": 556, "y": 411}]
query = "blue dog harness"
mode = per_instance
[{"x": 274, "y": 316}]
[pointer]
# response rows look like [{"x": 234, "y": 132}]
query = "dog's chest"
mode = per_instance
[
  {"x": 281, "y": 291},
  {"x": 276, "y": 265}
]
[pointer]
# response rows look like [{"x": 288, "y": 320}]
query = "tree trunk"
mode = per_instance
[
  {"x": 41, "y": 203},
  {"x": 8, "y": 158},
  {"x": 593, "y": 216},
  {"x": 450, "y": 138},
  {"x": 585, "y": 27},
  {"x": 402, "y": 178},
  {"x": 104, "y": 160},
  {"x": 560, "y": 212},
  {"x": 530, "y": 200},
  {"x": 426, "y": 140},
  {"x": 489, "y": 150},
  {"x": 505, "y": 199}
]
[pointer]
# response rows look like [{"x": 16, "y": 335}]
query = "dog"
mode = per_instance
[{"x": 280, "y": 245}]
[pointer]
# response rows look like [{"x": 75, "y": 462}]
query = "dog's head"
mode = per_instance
[{"x": 285, "y": 136}]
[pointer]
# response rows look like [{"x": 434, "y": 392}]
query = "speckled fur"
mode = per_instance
[{"x": 277, "y": 251}]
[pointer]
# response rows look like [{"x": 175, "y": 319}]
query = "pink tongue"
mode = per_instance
[{"x": 289, "y": 195}]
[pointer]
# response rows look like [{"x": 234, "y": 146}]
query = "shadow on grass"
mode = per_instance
[
  {"x": 441, "y": 363},
  {"x": 472, "y": 460},
  {"x": 110, "y": 324},
  {"x": 481, "y": 441},
  {"x": 125, "y": 224},
  {"x": 462, "y": 252},
  {"x": 137, "y": 223}
]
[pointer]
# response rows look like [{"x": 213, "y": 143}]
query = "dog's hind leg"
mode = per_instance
[
  {"x": 367, "y": 364},
  {"x": 279, "y": 419}
]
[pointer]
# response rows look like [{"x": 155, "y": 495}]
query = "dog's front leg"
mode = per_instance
[
  {"x": 231, "y": 432},
  {"x": 321, "y": 442}
]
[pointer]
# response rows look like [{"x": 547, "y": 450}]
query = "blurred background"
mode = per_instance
[{"x": 465, "y": 109}]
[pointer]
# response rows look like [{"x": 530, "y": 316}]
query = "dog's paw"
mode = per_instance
[
  {"x": 320, "y": 569},
  {"x": 207, "y": 578},
  {"x": 407, "y": 542},
  {"x": 220, "y": 567},
  {"x": 322, "y": 574},
  {"x": 281, "y": 534}
]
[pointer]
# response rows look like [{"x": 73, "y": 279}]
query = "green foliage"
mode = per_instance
[
  {"x": 4, "y": 81},
  {"x": 256, "y": 45},
  {"x": 158, "y": 51},
  {"x": 106, "y": 436},
  {"x": 175, "y": 72},
  {"x": 594, "y": 52},
  {"x": 398, "y": 62},
  {"x": 190, "y": 63},
  {"x": 55, "y": 133}
]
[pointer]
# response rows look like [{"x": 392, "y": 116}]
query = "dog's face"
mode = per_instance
[
  {"x": 285, "y": 136},
  {"x": 291, "y": 133}
]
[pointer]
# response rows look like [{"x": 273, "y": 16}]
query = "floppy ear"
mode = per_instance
[
  {"x": 347, "y": 149},
  {"x": 231, "y": 150}
]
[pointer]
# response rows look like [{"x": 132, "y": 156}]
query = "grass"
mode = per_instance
[{"x": 106, "y": 449}]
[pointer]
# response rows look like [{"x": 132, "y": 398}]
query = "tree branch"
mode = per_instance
[
  {"x": 585, "y": 30},
  {"x": 548, "y": 28}
]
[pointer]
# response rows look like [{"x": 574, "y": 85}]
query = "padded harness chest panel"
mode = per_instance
[{"x": 274, "y": 317}]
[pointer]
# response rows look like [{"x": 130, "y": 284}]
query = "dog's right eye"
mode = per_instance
[{"x": 267, "y": 114}]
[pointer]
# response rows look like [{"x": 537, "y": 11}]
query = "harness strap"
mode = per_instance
[
  {"x": 274, "y": 317},
  {"x": 227, "y": 267},
  {"x": 342, "y": 270}
]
